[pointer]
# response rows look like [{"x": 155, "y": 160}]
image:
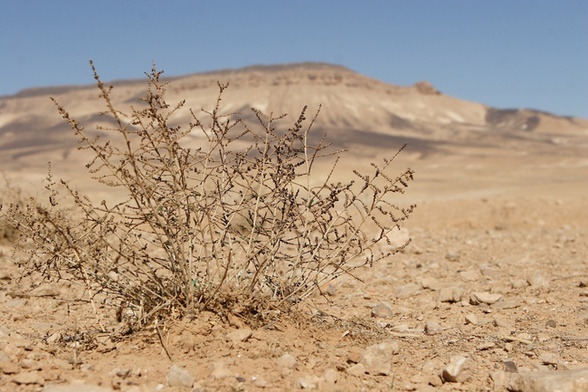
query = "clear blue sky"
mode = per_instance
[{"x": 504, "y": 53}]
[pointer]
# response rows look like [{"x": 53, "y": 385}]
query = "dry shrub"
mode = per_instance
[{"x": 207, "y": 223}]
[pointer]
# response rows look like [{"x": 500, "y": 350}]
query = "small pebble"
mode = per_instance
[
  {"x": 377, "y": 358},
  {"x": 179, "y": 377},
  {"x": 509, "y": 367},
  {"x": 382, "y": 310},
  {"x": 432, "y": 328},
  {"x": 478, "y": 298},
  {"x": 286, "y": 361},
  {"x": 331, "y": 376},
  {"x": 471, "y": 318},
  {"x": 453, "y": 255},
  {"x": 450, "y": 294},
  {"x": 239, "y": 335},
  {"x": 357, "y": 370},
  {"x": 407, "y": 290},
  {"x": 454, "y": 371}
]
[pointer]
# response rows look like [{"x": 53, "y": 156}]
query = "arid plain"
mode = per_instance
[{"x": 490, "y": 295}]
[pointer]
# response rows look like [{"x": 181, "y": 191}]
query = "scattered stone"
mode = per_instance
[
  {"x": 500, "y": 323},
  {"x": 549, "y": 359},
  {"x": 524, "y": 337},
  {"x": 407, "y": 290},
  {"x": 220, "y": 370},
  {"x": 490, "y": 272},
  {"x": 501, "y": 305},
  {"x": 357, "y": 370},
  {"x": 478, "y": 298},
  {"x": 430, "y": 283},
  {"x": 286, "y": 361},
  {"x": 4, "y": 332},
  {"x": 398, "y": 238},
  {"x": 551, "y": 323},
  {"x": 122, "y": 373},
  {"x": 54, "y": 338},
  {"x": 377, "y": 358},
  {"x": 455, "y": 371},
  {"x": 75, "y": 388},
  {"x": 30, "y": 364},
  {"x": 239, "y": 335},
  {"x": 471, "y": 318},
  {"x": 543, "y": 337},
  {"x": 469, "y": 275},
  {"x": 382, "y": 310},
  {"x": 510, "y": 367},
  {"x": 259, "y": 382},
  {"x": 62, "y": 364},
  {"x": 536, "y": 280},
  {"x": 353, "y": 355},
  {"x": 8, "y": 367},
  {"x": 485, "y": 346},
  {"x": 179, "y": 377},
  {"x": 116, "y": 384},
  {"x": 434, "y": 380},
  {"x": 499, "y": 378},
  {"x": 519, "y": 284},
  {"x": 450, "y": 294},
  {"x": 45, "y": 290},
  {"x": 432, "y": 328},
  {"x": 547, "y": 380},
  {"x": 28, "y": 378},
  {"x": 309, "y": 382},
  {"x": 331, "y": 376},
  {"x": 453, "y": 255}
]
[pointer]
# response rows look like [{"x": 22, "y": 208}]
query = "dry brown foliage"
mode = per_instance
[{"x": 218, "y": 213}]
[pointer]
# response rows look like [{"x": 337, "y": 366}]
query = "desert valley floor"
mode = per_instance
[{"x": 493, "y": 285}]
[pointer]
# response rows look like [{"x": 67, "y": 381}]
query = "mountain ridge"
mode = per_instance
[{"x": 355, "y": 109}]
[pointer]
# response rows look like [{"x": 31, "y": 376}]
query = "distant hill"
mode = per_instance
[{"x": 357, "y": 111}]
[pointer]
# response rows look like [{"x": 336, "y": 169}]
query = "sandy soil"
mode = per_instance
[{"x": 494, "y": 283}]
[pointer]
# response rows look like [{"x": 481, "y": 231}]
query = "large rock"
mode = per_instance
[{"x": 548, "y": 381}]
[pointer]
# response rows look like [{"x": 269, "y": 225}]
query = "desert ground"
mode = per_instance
[
  {"x": 496, "y": 273},
  {"x": 491, "y": 294}
]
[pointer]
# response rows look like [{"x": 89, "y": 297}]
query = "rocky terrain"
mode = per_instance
[{"x": 490, "y": 295}]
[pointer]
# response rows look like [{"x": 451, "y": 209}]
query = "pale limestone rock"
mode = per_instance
[
  {"x": 239, "y": 335},
  {"x": 179, "y": 377},
  {"x": 549, "y": 381},
  {"x": 455, "y": 371},
  {"x": 382, "y": 310},
  {"x": 377, "y": 358},
  {"x": 286, "y": 361},
  {"x": 485, "y": 298}
]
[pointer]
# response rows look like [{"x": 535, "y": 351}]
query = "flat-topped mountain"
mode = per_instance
[{"x": 367, "y": 116}]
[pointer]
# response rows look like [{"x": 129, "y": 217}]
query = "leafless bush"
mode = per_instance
[{"x": 235, "y": 221}]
